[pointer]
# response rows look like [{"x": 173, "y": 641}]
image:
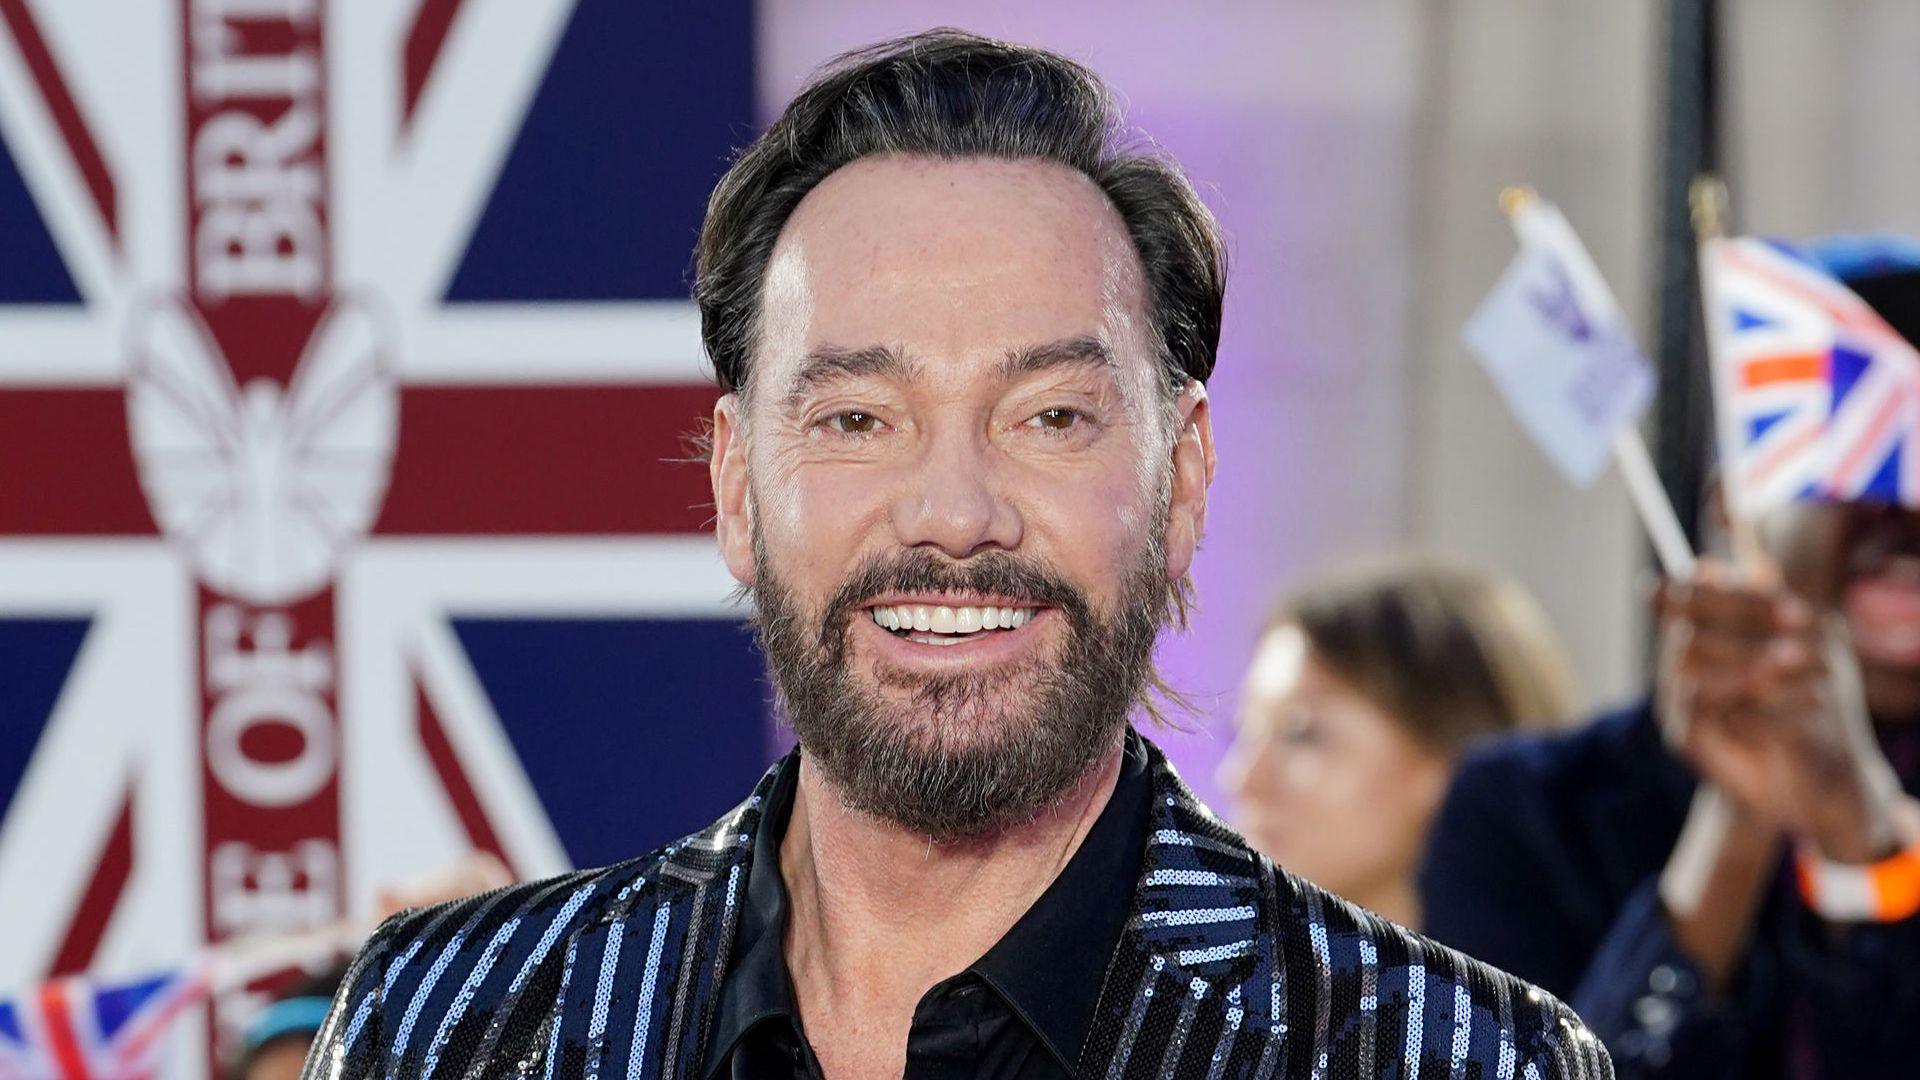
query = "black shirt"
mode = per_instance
[{"x": 1020, "y": 1012}]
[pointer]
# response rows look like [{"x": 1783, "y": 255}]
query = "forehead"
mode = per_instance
[
  {"x": 952, "y": 259},
  {"x": 1279, "y": 663}
]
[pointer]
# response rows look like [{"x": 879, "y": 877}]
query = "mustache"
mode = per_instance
[{"x": 996, "y": 573}]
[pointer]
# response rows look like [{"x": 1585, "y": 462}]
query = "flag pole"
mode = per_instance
[
  {"x": 1707, "y": 199},
  {"x": 1684, "y": 879},
  {"x": 1655, "y": 508},
  {"x": 1649, "y": 497}
]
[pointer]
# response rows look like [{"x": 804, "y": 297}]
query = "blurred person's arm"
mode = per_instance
[{"x": 1763, "y": 701}]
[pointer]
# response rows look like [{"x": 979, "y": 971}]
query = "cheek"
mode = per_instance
[
  {"x": 815, "y": 521},
  {"x": 1403, "y": 791},
  {"x": 1320, "y": 781},
  {"x": 1094, "y": 522},
  {"x": 1356, "y": 816}
]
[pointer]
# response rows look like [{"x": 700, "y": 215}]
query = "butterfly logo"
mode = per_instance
[
  {"x": 1560, "y": 307},
  {"x": 263, "y": 486}
]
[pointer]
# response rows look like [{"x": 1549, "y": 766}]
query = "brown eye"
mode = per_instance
[
  {"x": 1057, "y": 419},
  {"x": 855, "y": 423}
]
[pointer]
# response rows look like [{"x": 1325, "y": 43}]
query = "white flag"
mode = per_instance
[{"x": 1559, "y": 348}]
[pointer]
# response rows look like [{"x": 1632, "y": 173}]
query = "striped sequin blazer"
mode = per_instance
[{"x": 1227, "y": 967}]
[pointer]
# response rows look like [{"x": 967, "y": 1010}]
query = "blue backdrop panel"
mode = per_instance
[
  {"x": 602, "y": 195},
  {"x": 35, "y": 657},
  {"x": 31, "y": 269},
  {"x": 634, "y": 732}
]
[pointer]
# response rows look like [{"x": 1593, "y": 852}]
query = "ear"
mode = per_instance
[
  {"x": 1193, "y": 467},
  {"x": 732, "y": 505}
]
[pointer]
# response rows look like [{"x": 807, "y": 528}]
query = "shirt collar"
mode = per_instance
[{"x": 1048, "y": 968}]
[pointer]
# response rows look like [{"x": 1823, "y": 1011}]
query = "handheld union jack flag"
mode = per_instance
[
  {"x": 77, "y": 1029},
  {"x": 1818, "y": 397}
]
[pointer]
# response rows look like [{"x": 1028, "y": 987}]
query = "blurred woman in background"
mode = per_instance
[{"x": 1361, "y": 695}]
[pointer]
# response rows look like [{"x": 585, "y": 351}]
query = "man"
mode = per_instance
[
  {"x": 961, "y": 466},
  {"x": 1767, "y": 925}
]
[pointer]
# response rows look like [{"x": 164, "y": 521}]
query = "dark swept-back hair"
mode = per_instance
[{"x": 951, "y": 94}]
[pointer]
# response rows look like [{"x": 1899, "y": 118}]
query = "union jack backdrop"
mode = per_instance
[
  {"x": 1819, "y": 397},
  {"x": 345, "y": 368}
]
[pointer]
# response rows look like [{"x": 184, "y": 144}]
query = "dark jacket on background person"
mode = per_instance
[
  {"x": 1545, "y": 861},
  {"x": 1224, "y": 966}
]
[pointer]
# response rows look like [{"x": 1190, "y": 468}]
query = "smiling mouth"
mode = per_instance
[{"x": 931, "y": 624}]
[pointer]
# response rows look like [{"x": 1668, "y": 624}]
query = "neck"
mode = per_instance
[{"x": 879, "y": 915}]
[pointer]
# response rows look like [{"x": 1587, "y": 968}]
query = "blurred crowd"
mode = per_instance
[{"x": 1722, "y": 877}]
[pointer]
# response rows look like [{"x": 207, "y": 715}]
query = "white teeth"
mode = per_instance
[{"x": 954, "y": 622}]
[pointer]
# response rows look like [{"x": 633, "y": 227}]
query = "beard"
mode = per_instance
[{"x": 958, "y": 757}]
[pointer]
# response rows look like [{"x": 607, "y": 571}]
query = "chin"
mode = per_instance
[{"x": 958, "y": 715}]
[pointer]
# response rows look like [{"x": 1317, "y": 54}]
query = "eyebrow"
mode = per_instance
[
  {"x": 1078, "y": 351},
  {"x": 832, "y": 363}
]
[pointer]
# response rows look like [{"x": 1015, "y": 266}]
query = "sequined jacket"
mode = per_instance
[{"x": 1228, "y": 967}]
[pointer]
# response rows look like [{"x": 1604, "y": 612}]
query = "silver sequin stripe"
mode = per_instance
[
  {"x": 477, "y": 974},
  {"x": 1322, "y": 1016},
  {"x": 1136, "y": 1012},
  {"x": 454, "y": 946},
  {"x": 1271, "y": 884},
  {"x": 560, "y": 924},
  {"x": 1182, "y": 1027},
  {"x": 1503, "y": 998}
]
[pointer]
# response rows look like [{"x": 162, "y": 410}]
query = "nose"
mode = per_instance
[{"x": 956, "y": 499}]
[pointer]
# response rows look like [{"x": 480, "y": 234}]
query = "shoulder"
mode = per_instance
[
  {"x": 489, "y": 975},
  {"x": 1392, "y": 995},
  {"x": 1299, "y": 977},
  {"x": 425, "y": 944}
]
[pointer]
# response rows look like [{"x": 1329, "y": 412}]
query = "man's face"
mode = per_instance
[{"x": 957, "y": 483}]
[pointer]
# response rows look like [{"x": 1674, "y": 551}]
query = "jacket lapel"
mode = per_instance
[
  {"x": 1195, "y": 986},
  {"x": 679, "y": 917}
]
